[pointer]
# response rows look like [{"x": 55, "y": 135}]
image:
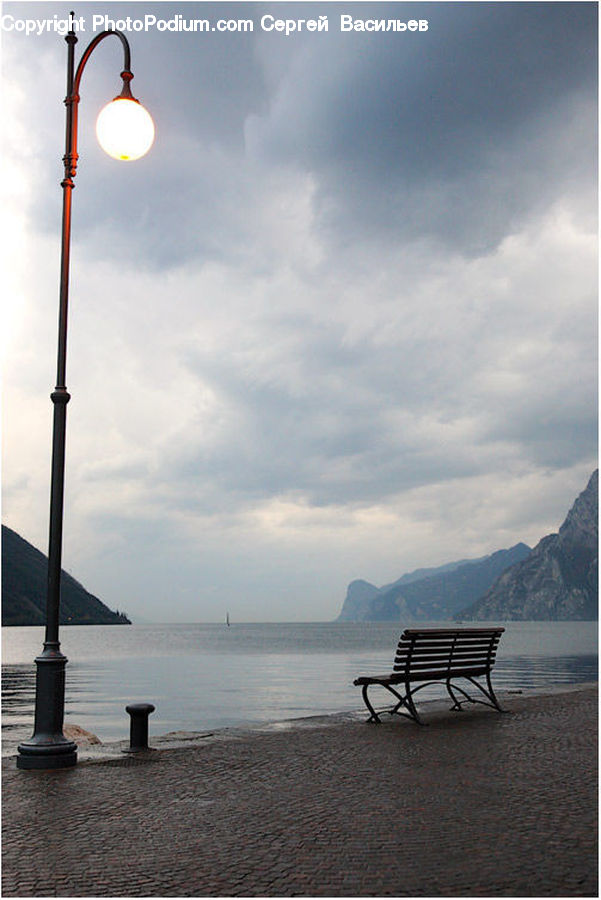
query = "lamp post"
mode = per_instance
[{"x": 125, "y": 130}]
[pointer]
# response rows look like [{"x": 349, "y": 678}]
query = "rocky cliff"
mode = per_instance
[
  {"x": 24, "y": 580},
  {"x": 559, "y": 579},
  {"x": 358, "y": 601}
]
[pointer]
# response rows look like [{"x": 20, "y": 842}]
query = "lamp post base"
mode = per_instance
[
  {"x": 48, "y": 748},
  {"x": 49, "y": 755}
]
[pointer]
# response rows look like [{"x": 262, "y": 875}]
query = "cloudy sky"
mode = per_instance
[{"x": 339, "y": 323}]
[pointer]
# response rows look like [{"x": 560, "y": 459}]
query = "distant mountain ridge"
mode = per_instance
[
  {"x": 428, "y": 594},
  {"x": 560, "y": 578},
  {"x": 24, "y": 588}
]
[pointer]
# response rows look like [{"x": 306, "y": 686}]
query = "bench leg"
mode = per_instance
[
  {"x": 489, "y": 694},
  {"x": 491, "y": 699},
  {"x": 492, "y": 695},
  {"x": 373, "y": 716},
  {"x": 456, "y": 703},
  {"x": 406, "y": 701}
]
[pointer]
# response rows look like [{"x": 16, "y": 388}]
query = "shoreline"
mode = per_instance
[{"x": 98, "y": 751}]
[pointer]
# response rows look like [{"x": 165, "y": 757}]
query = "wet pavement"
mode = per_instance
[{"x": 475, "y": 804}]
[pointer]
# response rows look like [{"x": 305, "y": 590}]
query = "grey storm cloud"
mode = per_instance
[
  {"x": 310, "y": 410},
  {"x": 464, "y": 131},
  {"x": 464, "y": 134}
]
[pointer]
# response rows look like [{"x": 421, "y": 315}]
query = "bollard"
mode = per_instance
[{"x": 138, "y": 732}]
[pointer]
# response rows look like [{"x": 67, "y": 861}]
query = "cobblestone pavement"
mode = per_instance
[{"x": 477, "y": 804}]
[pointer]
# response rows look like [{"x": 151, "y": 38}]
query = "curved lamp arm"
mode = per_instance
[
  {"x": 90, "y": 49},
  {"x": 73, "y": 82},
  {"x": 70, "y": 161}
]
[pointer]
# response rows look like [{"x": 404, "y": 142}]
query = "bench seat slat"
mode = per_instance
[
  {"x": 455, "y": 652},
  {"x": 446, "y": 648},
  {"x": 426, "y": 675},
  {"x": 440, "y": 660},
  {"x": 433, "y": 662},
  {"x": 479, "y": 642},
  {"x": 444, "y": 670},
  {"x": 446, "y": 632},
  {"x": 443, "y": 665},
  {"x": 449, "y": 639}
]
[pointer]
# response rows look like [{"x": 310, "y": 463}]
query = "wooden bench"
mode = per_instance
[{"x": 437, "y": 655}]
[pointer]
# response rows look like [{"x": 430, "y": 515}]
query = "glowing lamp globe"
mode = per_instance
[{"x": 125, "y": 130}]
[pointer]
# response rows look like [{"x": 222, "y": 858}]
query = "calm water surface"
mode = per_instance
[{"x": 202, "y": 677}]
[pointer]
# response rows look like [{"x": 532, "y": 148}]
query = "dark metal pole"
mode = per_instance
[{"x": 48, "y": 748}]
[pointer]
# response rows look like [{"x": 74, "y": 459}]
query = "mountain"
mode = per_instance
[
  {"x": 428, "y": 594},
  {"x": 24, "y": 580},
  {"x": 559, "y": 580},
  {"x": 420, "y": 574},
  {"x": 357, "y": 603}
]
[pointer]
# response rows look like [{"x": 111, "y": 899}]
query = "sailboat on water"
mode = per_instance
[{"x": 227, "y": 619}]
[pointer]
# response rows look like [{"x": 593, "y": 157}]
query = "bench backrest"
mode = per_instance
[{"x": 442, "y": 651}]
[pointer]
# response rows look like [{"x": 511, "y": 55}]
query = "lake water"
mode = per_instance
[{"x": 203, "y": 677}]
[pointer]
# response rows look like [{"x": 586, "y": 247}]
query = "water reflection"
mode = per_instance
[
  {"x": 537, "y": 671},
  {"x": 18, "y": 690}
]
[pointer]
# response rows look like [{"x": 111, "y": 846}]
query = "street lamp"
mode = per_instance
[{"x": 125, "y": 130}]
